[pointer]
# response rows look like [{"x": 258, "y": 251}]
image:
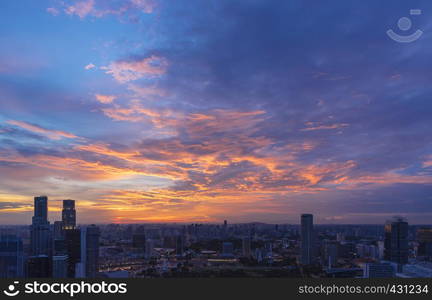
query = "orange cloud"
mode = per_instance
[
  {"x": 383, "y": 179},
  {"x": 52, "y": 134},
  {"x": 124, "y": 71},
  {"x": 105, "y": 98},
  {"x": 428, "y": 162}
]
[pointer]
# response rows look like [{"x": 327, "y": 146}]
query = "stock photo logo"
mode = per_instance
[
  {"x": 64, "y": 288},
  {"x": 405, "y": 24},
  {"x": 12, "y": 290}
]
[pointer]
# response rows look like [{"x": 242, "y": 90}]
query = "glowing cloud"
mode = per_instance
[
  {"x": 52, "y": 134},
  {"x": 105, "y": 98},
  {"x": 124, "y": 71}
]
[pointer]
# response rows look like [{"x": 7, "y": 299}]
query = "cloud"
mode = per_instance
[
  {"x": 313, "y": 127},
  {"x": 89, "y": 66},
  {"x": 229, "y": 136},
  {"x": 81, "y": 8},
  {"x": 148, "y": 67},
  {"x": 136, "y": 112},
  {"x": 52, "y": 134},
  {"x": 428, "y": 162},
  {"x": 146, "y": 6},
  {"x": 11, "y": 207},
  {"x": 54, "y": 11},
  {"x": 105, "y": 98},
  {"x": 101, "y": 8}
]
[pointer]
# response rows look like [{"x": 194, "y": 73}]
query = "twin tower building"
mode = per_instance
[{"x": 62, "y": 250}]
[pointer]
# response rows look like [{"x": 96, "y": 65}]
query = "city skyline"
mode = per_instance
[
  {"x": 149, "y": 111},
  {"x": 74, "y": 223},
  {"x": 65, "y": 250}
]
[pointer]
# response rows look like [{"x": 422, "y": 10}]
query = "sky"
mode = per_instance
[{"x": 201, "y": 111}]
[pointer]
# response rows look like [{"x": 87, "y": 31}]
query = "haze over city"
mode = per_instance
[{"x": 202, "y": 111}]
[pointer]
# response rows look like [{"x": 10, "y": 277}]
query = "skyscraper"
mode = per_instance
[
  {"x": 11, "y": 257},
  {"x": 396, "y": 241},
  {"x": 60, "y": 266},
  {"x": 139, "y": 241},
  {"x": 58, "y": 230},
  {"x": 69, "y": 214},
  {"x": 307, "y": 239},
  {"x": 39, "y": 266},
  {"x": 424, "y": 238},
  {"x": 246, "y": 247},
  {"x": 40, "y": 209},
  {"x": 90, "y": 251},
  {"x": 227, "y": 249},
  {"x": 378, "y": 270},
  {"x": 180, "y": 245},
  {"x": 330, "y": 253},
  {"x": 73, "y": 249},
  {"x": 149, "y": 249},
  {"x": 39, "y": 230}
]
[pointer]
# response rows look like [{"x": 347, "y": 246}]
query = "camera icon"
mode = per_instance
[
  {"x": 405, "y": 24},
  {"x": 11, "y": 290}
]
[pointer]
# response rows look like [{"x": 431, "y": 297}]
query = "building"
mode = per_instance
[
  {"x": 227, "y": 249},
  {"x": 39, "y": 266},
  {"x": 367, "y": 250},
  {"x": 246, "y": 247},
  {"x": 58, "y": 230},
  {"x": 258, "y": 255},
  {"x": 80, "y": 270},
  {"x": 40, "y": 239},
  {"x": 419, "y": 269},
  {"x": 90, "y": 251},
  {"x": 307, "y": 239},
  {"x": 225, "y": 229},
  {"x": 396, "y": 241},
  {"x": 69, "y": 215},
  {"x": 379, "y": 270},
  {"x": 180, "y": 245},
  {"x": 11, "y": 257},
  {"x": 59, "y": 266},
  {"x": 268, "y": 249},
  {"x": 59, "y": 247},
  {"x": 331, "y": 253},
  {"x": 139, "y": 241},
  {"x": 73, "y": 249},
  {"x": 424, "y": 238},
  {"x": 149, "y": 249},
  {"x": 380, "y": 249}
]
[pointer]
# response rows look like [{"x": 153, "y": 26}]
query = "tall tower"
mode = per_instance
[
  {"x": 40, "y": 210},
  {"x": 90, "y": 247},
  {"x": 11, "y": 257},
  {"x": 246, "y": 247},
  {"x": 69, "y": 214},
  {"x": 307, "y": 239},
  {"x": 39, "y": 230},
  {"x": 424, "y": 238},
  {"x": 396, "y": 241},
  {"x": 72, "y": 237},
  {"x": 73, "y": 250}
]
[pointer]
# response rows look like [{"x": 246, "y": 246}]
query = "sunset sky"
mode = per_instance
[{"x": 205, "y": 110}]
